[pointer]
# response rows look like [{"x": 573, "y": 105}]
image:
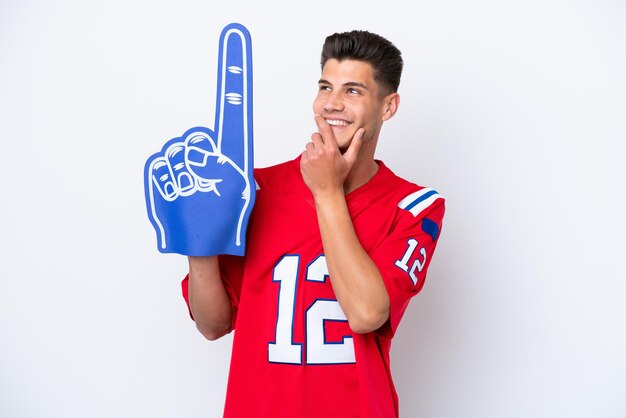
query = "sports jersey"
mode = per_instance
[{"x": 294, "y": 355}]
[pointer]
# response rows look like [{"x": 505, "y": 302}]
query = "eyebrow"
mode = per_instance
[{"x": 348, "y": 84}]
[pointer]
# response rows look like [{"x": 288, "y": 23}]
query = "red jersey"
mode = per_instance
[{"x": 294, "y": 355}]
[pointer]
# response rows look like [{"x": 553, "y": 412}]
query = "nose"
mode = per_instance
[{"x": 334, "y": 102}]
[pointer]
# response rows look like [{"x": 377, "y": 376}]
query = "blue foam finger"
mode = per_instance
[
  {"x": 233, "y": 109},
  {"x": 199, "y": 188}
]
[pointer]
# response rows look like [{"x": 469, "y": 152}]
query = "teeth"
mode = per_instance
[{"x": 335, "y": 122}]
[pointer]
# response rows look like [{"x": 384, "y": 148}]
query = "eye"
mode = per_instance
[
  {"x": 324, "y": 87},
  {"x": 352, "y": 90}
]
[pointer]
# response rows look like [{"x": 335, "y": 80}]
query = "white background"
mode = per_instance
[{"x": 515, "y": 111}]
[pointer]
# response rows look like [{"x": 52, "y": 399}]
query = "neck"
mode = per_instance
[{"x": 362, "y": 172}]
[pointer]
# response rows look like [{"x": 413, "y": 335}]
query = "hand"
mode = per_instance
[
  {"x": 322, "y": 164},
  {"x": 199, "y": 187}
]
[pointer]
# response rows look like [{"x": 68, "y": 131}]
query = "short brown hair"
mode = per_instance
[{"x": 384, "y": 57}]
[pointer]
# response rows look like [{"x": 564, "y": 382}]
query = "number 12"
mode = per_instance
[{"x": 318, "y": 351}]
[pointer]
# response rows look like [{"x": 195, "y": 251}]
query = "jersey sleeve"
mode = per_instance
[
  {"x": 231, "y": 270},
  {"x": 404, "y": 256}
]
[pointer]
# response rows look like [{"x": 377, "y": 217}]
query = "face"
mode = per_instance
[{"x": 349, "y": 98}]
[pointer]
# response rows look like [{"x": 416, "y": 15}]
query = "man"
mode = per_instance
[{"x": 337, "y": 246}]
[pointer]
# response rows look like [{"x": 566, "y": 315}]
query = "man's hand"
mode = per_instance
[
  {"x": 356, "y": 281},
  {"x": 324, "y": 168},
  {"x": 199, "y": 188}
]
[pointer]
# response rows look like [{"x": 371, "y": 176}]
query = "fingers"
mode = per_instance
[
  {"x": 233, "y": 109},
  {"x": 352, "y": 153},
  {"x": 170, "y": 174},
  {"x": 183, "y": 179},
  {"x": 310, "y": 146},
  {"x": 325, "y": 130},
  {"x": 314, "y": 148},
  {"x": 328, "y": 139},
  {"x": 199, "y": 146},
  {"x": 203, "y": 161},
  {"x": 317, "y": 141},
  {"x": 162, "y": 179}
]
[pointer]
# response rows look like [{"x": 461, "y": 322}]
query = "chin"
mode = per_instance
[{"x": 343, "y": 147}]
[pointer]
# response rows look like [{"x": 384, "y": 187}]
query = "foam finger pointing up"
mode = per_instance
[{"x": 233, "y": 119}]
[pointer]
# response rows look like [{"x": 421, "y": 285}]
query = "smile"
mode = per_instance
[{"x": 336, "y": 122}]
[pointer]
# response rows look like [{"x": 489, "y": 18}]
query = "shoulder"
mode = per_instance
[
  {"x": 271, "y": 175},
  {"x": 407, "y": 195},
  {"x": 416, "y": 205},
  {"x": 420, "y": 200}
]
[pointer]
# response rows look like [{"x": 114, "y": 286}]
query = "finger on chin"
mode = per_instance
[{"x": 324, "y": 130}]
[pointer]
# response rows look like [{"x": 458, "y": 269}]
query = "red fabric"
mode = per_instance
[
  {"x": 185, "y": 288},
  {"x": 284, "y": 249}
]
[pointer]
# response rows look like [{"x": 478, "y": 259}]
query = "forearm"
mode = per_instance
[
  {"x": 208, "y": 300},
  {"x": 356, "y": 280}
]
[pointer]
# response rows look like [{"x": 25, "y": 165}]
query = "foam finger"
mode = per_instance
[
  {"x": 162, "y": 179},
  {"x": 233, "y": 119},
  {"x": 181, "y": 176}
]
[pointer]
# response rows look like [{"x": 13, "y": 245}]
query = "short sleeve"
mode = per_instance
[
  {"x": 404, "y": 256},
  {"x": 231, "y": 270}
]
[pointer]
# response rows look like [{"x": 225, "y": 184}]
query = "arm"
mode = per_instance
[
  {"x": 208, "y": 299},
  {"x": 356, "y": 281}
]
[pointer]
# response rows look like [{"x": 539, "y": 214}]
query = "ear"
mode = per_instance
[{"x": 391, "y": 102}]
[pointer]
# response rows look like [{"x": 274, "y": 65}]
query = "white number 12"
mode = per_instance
[
  {"x": 417, "y": 263},
  {"x": 318, "y": 351}
]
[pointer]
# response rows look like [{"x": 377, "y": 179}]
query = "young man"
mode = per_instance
[{"x": 337, "y": 246}]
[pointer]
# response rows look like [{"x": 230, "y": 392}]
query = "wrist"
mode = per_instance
[
  {"x": 199, "y": 264},
  {"x": 328, "y": 195},
  {"x": 331, "y": 206}
]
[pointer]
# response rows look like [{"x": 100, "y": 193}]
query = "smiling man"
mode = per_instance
[{"x": 337, "y": 246}]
